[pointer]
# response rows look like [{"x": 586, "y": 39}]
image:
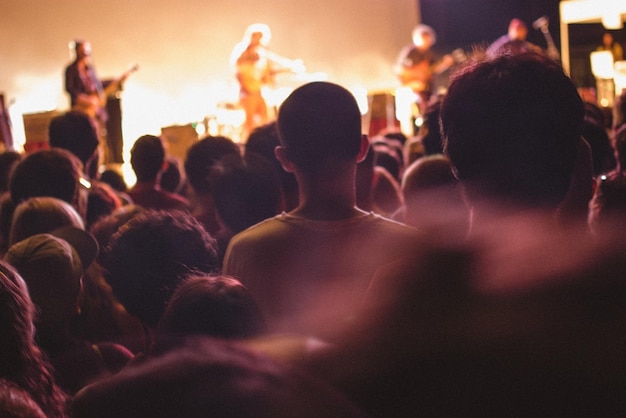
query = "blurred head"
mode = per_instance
[
  {"x": 424, "y": 37},
  {"x": 75, "y": 132},
  {"x": 147, "y": 157},
  {"x": 202, "y": 157},
  {"x": 115, "y": 179},
  {"x": 102, "y": 201},
  {"x": 427, "y": 173},
  {"x": 211, "y": 378},
  {"x": 258, "y": 34},
  {"x": 171, "y": 178},
  {"x": 512, "y": 129},
  {"x": 53, "y": 266},
  {"x": 17, "y": 314},
  {"x": 55, "y": 172},
  {"x": 246, "y": 192},
  {"x": 518, "y": 30},
  {"x": 104, "y": 228},
  {"x": 433, "y": 199},
  {"x": 15, "y": 402},
  {"x": 151, "y": 254},
  {"x": 214, "y": 306},
  {"x": 21, "y": 360},
  {"x": 40, "y": 215},
  {"x": 82, "y": 48},
  {"x": 263, "y": 140}
]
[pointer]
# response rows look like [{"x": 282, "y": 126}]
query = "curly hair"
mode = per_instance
[
  {"x": 149, "y": 256},
  {"x": 21, "y": 360}
]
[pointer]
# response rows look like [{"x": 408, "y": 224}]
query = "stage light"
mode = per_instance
[
  {"x": 603, "y": 70},
  {"x": 602, "y": 64}
]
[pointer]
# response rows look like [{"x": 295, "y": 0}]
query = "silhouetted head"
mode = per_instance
[
  {"x": 246, "y": 192},
  {"x": 55, "y": 172},
  {"x": 147, "y": 157},
  {"x": 319, "y": 123},
  {"x": 201, "y": 158},
  {"x": 75, "y": 132}
]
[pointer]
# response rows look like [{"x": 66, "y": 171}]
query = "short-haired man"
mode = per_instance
[
  {"x": 147, "y": 157},
  {"x": 512, "y": 128},
  {"x": 309, "y": 268}
]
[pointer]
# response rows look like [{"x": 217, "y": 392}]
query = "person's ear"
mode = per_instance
[
  {"x": 281, "y": 155},
  {"x": 365, "y": 146}
]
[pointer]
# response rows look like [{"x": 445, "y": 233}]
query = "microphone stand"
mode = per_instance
[{"x": 552, "y": 51}]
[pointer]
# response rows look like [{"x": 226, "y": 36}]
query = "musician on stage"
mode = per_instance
[
  {"x": 83, "y": 85},
  {"x": 609, "y": 44},
  {"x": 88, "y": 95},
  {"x": 255, "y": 66},
  {"x": 417, "y": 64},
  {"x": 514, "y": 41},
  {"x": 416, "y": 67}
]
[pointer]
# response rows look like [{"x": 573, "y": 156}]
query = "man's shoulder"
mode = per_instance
[
  {"x": 282, "y": 229},
  {"x": 264, "y": 230},
  {"x": 255, "y": 246}
]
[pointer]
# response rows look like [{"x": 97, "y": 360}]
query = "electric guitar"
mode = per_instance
[
  {"x": 419, "y": 76},
  {"x": 253, "y": 74},
  {"x": 97, "y": 101}
]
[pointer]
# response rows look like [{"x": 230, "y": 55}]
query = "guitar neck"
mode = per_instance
[{"x": 116, "y": 84}]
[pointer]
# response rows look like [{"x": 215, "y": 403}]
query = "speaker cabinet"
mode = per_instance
[{"x": 178, "y": 139}]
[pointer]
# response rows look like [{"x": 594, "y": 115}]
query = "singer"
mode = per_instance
[
  {"x": 542, "y": 25},
  {"x": 255, "y": 67},
  {"x": 514, "y": 41}
]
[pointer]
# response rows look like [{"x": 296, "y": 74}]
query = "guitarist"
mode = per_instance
[
  {"x": 83, "y": 85},
  {"x": 416, "y": 68},
  {"x": 417, "y": 64},
  {"x": 255, "y": 67},
  {"x": 87, "y": 94}
]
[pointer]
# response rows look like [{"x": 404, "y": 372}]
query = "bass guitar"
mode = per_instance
[{"x": 97, "y": 101}]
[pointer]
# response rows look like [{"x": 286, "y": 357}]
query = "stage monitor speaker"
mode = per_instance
[
  {"x": 36, "y": 129},
  {"x": 178, "y": 139},
  {"x": 382, "y": 112}
]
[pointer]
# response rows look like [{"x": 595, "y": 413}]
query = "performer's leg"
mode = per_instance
[
  {"x": 248, "y": 104},
  {"x": 261, "y": 110},
  {"x": 256, "y": 113}
]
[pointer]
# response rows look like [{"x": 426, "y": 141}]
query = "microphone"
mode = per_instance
[{"x": 541, "y": 23}]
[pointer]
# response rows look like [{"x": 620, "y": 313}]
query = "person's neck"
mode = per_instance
[
  {"x": 147, "y": 184},
  {"x": 327, "y": 197}
]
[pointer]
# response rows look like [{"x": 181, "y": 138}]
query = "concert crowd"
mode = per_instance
[{"x": 474, "y": 267}]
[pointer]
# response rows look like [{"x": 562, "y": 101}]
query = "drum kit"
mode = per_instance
[{"x": 228, "y": 116}]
